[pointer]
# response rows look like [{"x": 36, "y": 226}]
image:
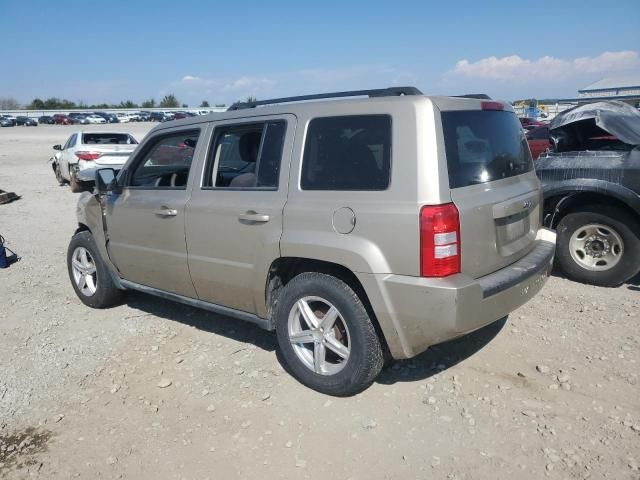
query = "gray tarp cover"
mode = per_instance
[{"x": 618, "y": 118}]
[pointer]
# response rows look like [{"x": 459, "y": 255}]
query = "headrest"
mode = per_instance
[{"x": 249, "y": 145}]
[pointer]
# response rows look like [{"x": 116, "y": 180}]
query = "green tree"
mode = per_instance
[
  {"x": 128, "y": 104},
  {"x": 169, "y": 101},
  {"x": 204, "y": 104},
  {"x": 36, "y": 104},
  {"x": 68, "y": 104},
  {"x": 221, "y": 105},
  {"x": 54, "y": 103},
  {"x": 151, "y": 103},
  {"x": 51, "y": 103}
]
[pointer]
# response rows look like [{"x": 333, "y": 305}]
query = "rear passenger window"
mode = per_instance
[
  {"x": 71, "y": 142},
  {"x": 247, "y": 156},
  {"x": 347, "y": 153}
]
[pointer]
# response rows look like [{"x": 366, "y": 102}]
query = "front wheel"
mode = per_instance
[
  {"x": 58, "y": 173},
  {"x": 599, "y": 245},
  {"x": 89, "y": 275},
  {"x": 325, "y": 335}
]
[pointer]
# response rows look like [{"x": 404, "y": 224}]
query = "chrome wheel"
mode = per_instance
[
  {"x": 84, "y": 271},
  {"x": 596, "y": 247},
  {"x": 319, "y": 335}
]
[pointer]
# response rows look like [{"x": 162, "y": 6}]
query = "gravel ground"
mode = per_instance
[{"x": 152, "y": 389}]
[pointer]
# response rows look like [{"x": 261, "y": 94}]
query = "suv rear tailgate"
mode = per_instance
[{"x": 498, "y": 223}]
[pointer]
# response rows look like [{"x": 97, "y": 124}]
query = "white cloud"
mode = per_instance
[
  {"x": 228, "y": 89},
  {"x": 195, "y": 81},
  {"x": 516, "y": 67},
  {"x": 249, "y": 84},
  {"x": 608, "y": 61}
]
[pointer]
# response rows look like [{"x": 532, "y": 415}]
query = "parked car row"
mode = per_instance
[
  {"x": 11, "y": 121},
  {"x": 90, "y": 118}
]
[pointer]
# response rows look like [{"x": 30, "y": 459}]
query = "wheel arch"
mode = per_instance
[
  {"x": 284, "y": 269},
  {"x": 82, "y": 228},
  {"x": 560, "y": 203}
]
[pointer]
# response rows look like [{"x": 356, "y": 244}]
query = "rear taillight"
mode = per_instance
[
  {"x": 88, "y": 155},
  {"x": 439, "y": 240},
  {"x": 492, "y": 106}
]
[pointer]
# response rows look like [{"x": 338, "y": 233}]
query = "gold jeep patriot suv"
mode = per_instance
[{"x": 358, "y": 225}]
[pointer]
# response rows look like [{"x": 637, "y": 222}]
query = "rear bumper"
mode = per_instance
[
  {"x": 416, "y": 312},
  {"x": 85, "y": 171}
]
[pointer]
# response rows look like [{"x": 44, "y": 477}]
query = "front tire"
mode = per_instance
[
  {"x": 325, "y": 335},
  {"x": 89, "y": 275},
  {"x": 599, "y": 245},
  {"x": 58, "y": 173}
]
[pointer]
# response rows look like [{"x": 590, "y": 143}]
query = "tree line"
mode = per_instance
[{"x": 55, "y": 103}]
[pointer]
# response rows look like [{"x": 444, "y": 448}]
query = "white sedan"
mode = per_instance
[
  {"x": 95, "y": 119},
  {"x": 123, "y": 117},
  {"x": 86, "y": 152}
]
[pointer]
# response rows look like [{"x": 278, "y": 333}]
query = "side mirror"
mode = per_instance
[
  {"x": 57, "y": 147},
  {"x": 106, "y": 181}
]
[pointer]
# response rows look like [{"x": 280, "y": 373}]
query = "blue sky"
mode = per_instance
[{"x": 107, "y": 51}]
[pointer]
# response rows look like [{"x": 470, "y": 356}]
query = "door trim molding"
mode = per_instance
[{"x": 193, "y": 302}]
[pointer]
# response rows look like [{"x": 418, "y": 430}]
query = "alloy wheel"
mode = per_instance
[
  {"x": 319, "y": 335},
  {"x": 84, "y": 271}
]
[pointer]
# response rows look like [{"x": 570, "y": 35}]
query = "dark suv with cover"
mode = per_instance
[{"x": 591, "y": 183}]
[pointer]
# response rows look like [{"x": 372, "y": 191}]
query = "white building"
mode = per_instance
[{"x": 625, "y": 88}]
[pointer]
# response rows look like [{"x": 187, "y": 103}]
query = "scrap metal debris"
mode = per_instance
[{"x": 6, "y": 197}]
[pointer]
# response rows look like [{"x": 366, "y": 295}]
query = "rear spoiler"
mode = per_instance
[{"x": 477, "y": 96}]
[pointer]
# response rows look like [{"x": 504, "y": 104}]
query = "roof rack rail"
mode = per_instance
[
  {"x": 479, "y": 96},
  {"x": 380, "y": 92}
]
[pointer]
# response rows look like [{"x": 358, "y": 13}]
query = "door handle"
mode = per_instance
[
  {"x": 166, "y": 212},
  {"x": 252, "y": 216}
]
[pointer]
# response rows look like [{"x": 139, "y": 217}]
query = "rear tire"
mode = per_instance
[
  {"x": 599, "y": 245},
  {"x": 76, "y": 186},
  {"x": 340, "y": 357},
  {"x": 90, "y": 277}
]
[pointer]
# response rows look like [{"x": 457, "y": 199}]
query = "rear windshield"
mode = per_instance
[
  {"x": 108, "y": 139},
  {"x": 483, "y": 146}
]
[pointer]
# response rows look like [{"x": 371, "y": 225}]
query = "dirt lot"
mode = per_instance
[{"x": 552, "y": 392}]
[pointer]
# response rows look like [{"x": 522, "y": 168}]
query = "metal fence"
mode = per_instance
[{"x": 39, "y": 113}]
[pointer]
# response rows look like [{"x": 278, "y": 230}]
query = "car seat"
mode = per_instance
[{"x": 248, "y": 147}]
